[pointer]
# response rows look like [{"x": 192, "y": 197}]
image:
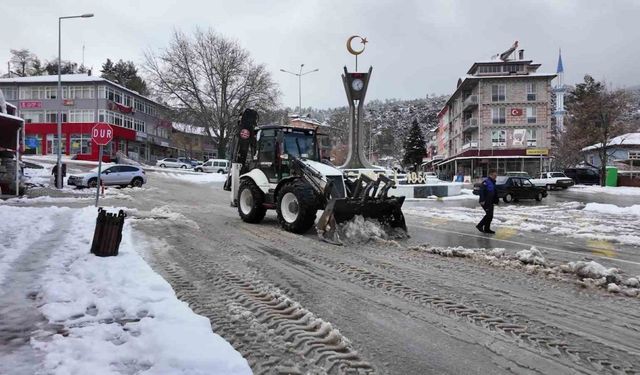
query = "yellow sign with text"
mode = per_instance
[{"x": 537, "y": 151}]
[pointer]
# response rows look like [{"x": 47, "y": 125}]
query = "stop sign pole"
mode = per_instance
[{"x": 101, "y": 134}]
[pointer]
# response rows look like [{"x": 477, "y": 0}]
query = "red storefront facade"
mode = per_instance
[{"x": 76, "y": 140}]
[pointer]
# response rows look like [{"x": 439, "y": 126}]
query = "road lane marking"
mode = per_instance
[
  {"x": 601, "y": 247},
  {"x": 529, "y": 245}
]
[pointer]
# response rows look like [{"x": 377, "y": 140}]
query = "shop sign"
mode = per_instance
[
  {"x": 30, "y": 104},
  {"x": 537, "y": 151},
  {"x": 68, "y": 102}
]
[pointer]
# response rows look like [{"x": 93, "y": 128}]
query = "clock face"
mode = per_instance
[{"x": 357, "y": 84}]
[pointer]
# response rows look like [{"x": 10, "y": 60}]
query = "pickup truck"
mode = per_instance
[{"x": 553, "y": 180}]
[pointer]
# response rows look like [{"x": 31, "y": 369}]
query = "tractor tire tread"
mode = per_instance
[{"x": 308, "y": 206}]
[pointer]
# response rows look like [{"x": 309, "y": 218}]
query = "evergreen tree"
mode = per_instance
[
  {"x": 414, "y": 146},
  {"x": 68, "y": 67},
  {"x": 124, "y": 73}
]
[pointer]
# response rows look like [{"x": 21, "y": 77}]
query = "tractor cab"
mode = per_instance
[{"x": 277, "y": 146}]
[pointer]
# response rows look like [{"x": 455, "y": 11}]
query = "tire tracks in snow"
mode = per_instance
[{"x": 589, "y": 355}]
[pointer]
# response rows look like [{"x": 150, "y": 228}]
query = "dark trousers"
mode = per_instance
[{"x": 485, "y": 223}]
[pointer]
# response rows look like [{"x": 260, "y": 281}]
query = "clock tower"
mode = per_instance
[{"x": 355, "y": 86}]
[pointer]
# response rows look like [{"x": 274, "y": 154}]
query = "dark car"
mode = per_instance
[
  {"x": 585, "y": 176},
  {"x": 512, "y": 189}
]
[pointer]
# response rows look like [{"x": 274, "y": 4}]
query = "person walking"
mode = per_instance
[{"x": 488, "y": 198}]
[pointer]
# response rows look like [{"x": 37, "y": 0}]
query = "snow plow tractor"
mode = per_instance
[{"x": 279, "y": 167}]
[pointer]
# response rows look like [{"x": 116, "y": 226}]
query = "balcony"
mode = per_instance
[
  {"x": 470, "y": 102},
  {"x": 469, "y": 145},
  {"x": 469, "y": 124}
]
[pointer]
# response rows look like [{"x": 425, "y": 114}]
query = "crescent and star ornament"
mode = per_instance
[{"x": 352, "y": 51}]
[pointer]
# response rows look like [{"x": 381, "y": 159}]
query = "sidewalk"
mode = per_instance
[{"x": 65, "y": 311}]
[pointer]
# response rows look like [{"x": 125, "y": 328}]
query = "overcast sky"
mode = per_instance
[{"x": 415, "y": 47}]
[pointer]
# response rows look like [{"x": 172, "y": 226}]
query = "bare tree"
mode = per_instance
[
  {"x": 596, "y": 115},
  {"x": 23, "y": 60},
  {"x": 209, "y": 80}
]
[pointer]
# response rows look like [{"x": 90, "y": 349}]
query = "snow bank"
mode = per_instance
[
  {"x": 617, "y": 190},
  {"x": 531, "y": 256},
  {"x": 194, "y": 177},
  {"x": 613, "y": 209},
  {"x": 591, "y": 270},
  {"x": 118, "y": 315}
]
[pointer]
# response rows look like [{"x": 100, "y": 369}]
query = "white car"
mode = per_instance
[
  {"x": 118, "y": 175},
  {"x": 172, "y": 163},
  {"x": 214, "y": 166},
  {"x": 552, "y": 180}
]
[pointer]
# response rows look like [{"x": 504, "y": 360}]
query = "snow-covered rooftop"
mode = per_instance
[
  {"x": 191, "y": 129},
  {"x": 625, "y": 139}
]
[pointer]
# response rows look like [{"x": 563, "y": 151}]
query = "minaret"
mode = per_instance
[{"x": 559, "y": 90}]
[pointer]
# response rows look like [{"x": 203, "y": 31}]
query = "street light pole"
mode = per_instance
[
  {"x": 59, "y": 182},
  {"x": 299, "y": 75}
]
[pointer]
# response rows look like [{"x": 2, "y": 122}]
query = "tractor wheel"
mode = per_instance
[
  {"x": 250, "y": 200},
  {"x": 296, "y": 206}
]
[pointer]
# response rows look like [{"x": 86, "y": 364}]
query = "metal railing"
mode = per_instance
[{"x": 470, "y": 101}]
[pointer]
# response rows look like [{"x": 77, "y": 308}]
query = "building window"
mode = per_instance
[
  {"x": 32, "y": 116},
  {"x": 140, "y": 126},
  {"x": 531, "y": 115},
  {"x": 114, "y": 95},
  {"x": 128, "y": 122},
  {"x": 128, "y": 100},
  {"x": 52, "y": 144},
  {"x": 82, "y": 115},
  {"x": 10, "y": 93},
  {"x": 80, "y": 144},
  {"x": 498, "y": 138},
  {"x": 498, "y": 93},
  {"x": 52, "y": 116},
  {"x": 532, "y": 139},
  {"x": 531, "y": 91},
  {"x": 102, "y": 92},
  {"x": 498, "y": 115},
  {"x": 33, "y": 144},
  {"x": 79, "y": 92}
]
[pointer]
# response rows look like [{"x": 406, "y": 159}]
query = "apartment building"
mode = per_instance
[
  {"x": 498, "y": 117},
  {"x": 140, "y": 130}
]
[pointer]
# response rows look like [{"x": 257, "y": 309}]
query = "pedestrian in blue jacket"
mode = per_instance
[{"x": 488, "y": 197}]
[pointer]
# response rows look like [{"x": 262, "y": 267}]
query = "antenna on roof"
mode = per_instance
[{"x": 83, "y": 54}]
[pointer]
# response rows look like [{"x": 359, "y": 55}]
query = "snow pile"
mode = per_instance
[
  {"x": 591, "y": 270},
  {"x": 361, "y": 230},
  {"x": 586, "y": 274},
  {"x": 617, "y": 190},
  {"x": 613, "y": 209},
  {"x": 162, "y": 213},
  {"x": 531, "y": 256},
  {"x": 116, "y": 315},
  {"x": 197, "y": 178},
  {"x": 38, "y": 176}
]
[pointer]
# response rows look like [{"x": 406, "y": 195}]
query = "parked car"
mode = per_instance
[
  {"x": 118, "y": 175},
  {"x": 214, "y": 166},
  {"x": 518, "y": 174},
  {"x": 587, "y": 176},
  {"x": 552, "y": 180},
  {"x": 512, "y": 189},
  {"x": 173, "y": 163},
  {"x": 189, "y": 161}
]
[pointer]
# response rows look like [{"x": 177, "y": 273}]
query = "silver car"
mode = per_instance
[
  {"x": 118, "y": 175},
  {"x": 173, "y": 163},
  {"x": 214, "y": 166}
]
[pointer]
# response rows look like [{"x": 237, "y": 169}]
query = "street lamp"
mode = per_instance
[
  {"x": 59, "y": 116},
  {"x": 299, "y": 75}
]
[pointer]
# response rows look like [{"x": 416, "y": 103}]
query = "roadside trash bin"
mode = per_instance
[
  {"x": 612, "y": 176},
  {"x": 108, "y": 233}
]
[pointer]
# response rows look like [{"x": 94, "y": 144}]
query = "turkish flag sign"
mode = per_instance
[{"x": 516, "y": 111}]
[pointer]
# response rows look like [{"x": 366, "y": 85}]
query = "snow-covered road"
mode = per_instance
[{"x": 293, "y": 304}]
